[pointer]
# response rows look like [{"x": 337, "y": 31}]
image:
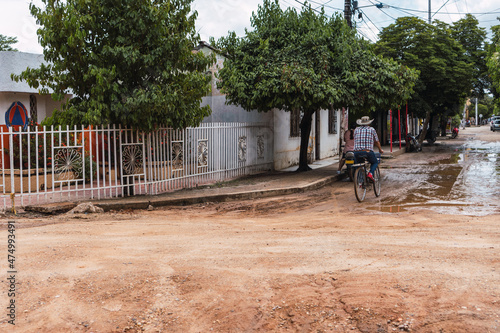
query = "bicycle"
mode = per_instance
[{"x": 361, "y": 181}]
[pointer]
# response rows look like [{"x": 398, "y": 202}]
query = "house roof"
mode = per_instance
[
  {"x": 203, "y": 44},
  {"x": 13, "y": 62}
]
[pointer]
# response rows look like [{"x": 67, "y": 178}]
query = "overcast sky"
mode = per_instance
[{"x": 217, "y": 17}]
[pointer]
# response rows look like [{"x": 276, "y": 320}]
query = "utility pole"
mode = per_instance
[
  {"x": 429, "y": 11},
  {"x": 348, "y": 13},
  {"x": 464, "y": 120},
  {"x": 344, "y": 115},
  {"x": 476, "y": 111}
]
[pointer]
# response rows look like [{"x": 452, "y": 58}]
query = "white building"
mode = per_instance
[
  {"x": 37, "y": 106},
  {"x": 284, "y": 145},
  {"x": 324, "y": 137}
]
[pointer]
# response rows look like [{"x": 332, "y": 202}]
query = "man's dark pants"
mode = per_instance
[{"x": 370, "y": 157}]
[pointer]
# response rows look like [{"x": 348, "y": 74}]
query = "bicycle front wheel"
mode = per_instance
[
  {"x": 359, "y": 184},
  {"x": 376, "y": 184}
]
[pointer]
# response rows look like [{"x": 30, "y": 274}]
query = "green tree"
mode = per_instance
[
  {"x": 446, "y": 75},
  {"x": 493, "y": 63},
  {"x": 305, "y": 61},
  {"x": 473, "y": 40},
  {"x": 126, "y": 62},
  {"x": 373, "y": 82},
  {"x": 6, "y": 42}
]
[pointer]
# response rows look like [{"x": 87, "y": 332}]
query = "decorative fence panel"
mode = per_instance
[{"x": 43, "y": 165}]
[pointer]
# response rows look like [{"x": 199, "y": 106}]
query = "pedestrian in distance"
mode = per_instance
[
  {"x": 365, "y": 138},
  {"x": 348, "y": 145}
]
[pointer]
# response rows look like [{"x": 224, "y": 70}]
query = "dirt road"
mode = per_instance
[{"x": 421, "y": 258}]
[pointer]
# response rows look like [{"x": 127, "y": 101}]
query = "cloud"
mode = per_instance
[
  {"x": 16, "y": 21},
  {"x": 216, "y": 18}
]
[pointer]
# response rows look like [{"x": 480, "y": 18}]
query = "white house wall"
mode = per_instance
[
  {"x": 287, "y": 149},
  {"x": 45, "y": 104},
  {"x": 329, "y": 143},
  {"x": 6, "y": 100},
  {"x": 11, "y": 91},
  {"x": 221, "y": 112},
  {"x": 49, "y": 105}
]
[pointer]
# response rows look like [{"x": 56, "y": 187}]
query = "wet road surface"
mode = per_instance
[{"x": 462, "y": 178}]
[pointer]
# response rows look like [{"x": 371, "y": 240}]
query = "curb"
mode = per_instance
[
  {"x": 394, "y": 153},
  {"x": 145, "y": 201}
]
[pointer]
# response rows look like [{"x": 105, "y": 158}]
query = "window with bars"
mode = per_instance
[
  {"x": 332, "y": 121},
  {"x": 295, "y": 117},
  {"x": 33, "y": 109}
]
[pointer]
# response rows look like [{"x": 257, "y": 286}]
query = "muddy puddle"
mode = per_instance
[{"x": 465, "y": 183}]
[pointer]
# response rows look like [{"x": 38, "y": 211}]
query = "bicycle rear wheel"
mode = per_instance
[
  {"x": 376, "y": 184},
  {"x": 359, "y": 184}
]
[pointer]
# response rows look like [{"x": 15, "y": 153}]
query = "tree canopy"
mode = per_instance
[
  {"x": 446, "y": 74},
  {"x": 6, "y": 42},
  {"x": 473, "y": 40},
  {"x": 373, "y": 82},
  {"x": 126, "y": 62},
  {"x": 288, "y": 61},
  {"x": 306, "y": 61}
]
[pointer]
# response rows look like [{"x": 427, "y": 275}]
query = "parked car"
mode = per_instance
[
  {"x": 495, "y": 126},
  {"x": 492, "y": 120}
]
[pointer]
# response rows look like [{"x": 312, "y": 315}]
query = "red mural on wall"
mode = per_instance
[{"x": 16, "y": 115}]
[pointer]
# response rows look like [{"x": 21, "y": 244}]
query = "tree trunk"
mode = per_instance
[
  {"x": 305, "y": 132},
  {"x": 422, "y": 135},
  {"x": 444, "y": 123}
]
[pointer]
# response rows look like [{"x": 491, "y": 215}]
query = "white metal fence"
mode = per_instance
[{"x": 42, "y": 165}]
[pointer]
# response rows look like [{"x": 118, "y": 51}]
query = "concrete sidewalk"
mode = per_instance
[{"x": 262, "y": 185}]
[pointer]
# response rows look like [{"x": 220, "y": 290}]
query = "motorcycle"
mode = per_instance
[
  {"x": 454, "y": 133},
  {"x": 412, "y": 143},
  {"x": 350, "y": 163}
]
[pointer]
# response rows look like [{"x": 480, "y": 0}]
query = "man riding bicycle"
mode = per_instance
[{"x": 365, "y": 137}]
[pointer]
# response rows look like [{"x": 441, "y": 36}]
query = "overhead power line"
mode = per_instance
[
  {"x": 324, "y": 4},
  {"x": 364, "y": 15},
  {"x": 437, "y": 11},
  {"x": 392, "y": 17},
  {"x": 320, "y": 5},
  {"x": 489, "y": 13},
  {"x": 302, "y": 3},
  {"x": 423, "y": 11},
  {"x": 288, "y": 3}
]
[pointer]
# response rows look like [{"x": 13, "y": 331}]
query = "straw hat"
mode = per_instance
[{"x": 364, "y": 121}]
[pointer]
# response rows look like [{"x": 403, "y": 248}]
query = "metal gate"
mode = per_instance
[{"x": 42, "y": 165}]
